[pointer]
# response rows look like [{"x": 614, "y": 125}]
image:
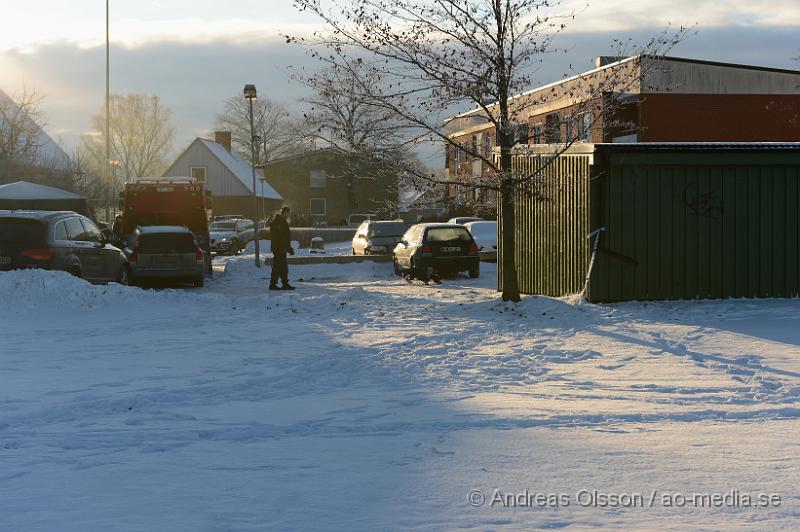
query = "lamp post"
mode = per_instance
[{"x": 250, "y": 95}]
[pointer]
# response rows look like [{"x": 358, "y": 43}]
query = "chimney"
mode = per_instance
[{"x": 223, "y": 138}]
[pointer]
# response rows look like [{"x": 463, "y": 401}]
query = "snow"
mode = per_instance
[{"x": 362, "y": 402}]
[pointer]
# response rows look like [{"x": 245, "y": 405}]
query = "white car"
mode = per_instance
[
  {"x": 378, "y": 237},
  {"x": 485, "y": 234}
]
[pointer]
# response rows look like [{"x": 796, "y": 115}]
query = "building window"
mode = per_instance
[
  {"x": 318, "y": 178},
  {"x": 538, "y": 134},
  {"x": 447, "y": 157},
  {"x": 585, "y": 126},
  {"x": 458, "y": 157},
  {"x": 552, "y": 128},
  {"x": 198, "y": 172},
  {"x": 317, "y": 207},
  {"x": 489, "y": 146}
]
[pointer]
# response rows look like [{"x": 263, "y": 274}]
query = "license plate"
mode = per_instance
[
  {"x": 450, "y": 249},
  {"x": 5, "y": 260},
  {"x": 167, "y": 261}
]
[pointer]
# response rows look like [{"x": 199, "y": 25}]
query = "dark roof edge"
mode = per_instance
[
  {"x": 723, "y": 64},
  {"x": 701, "y": 146}
]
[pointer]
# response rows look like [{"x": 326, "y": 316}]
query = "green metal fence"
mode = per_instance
[{"x": 681, "y": 222}]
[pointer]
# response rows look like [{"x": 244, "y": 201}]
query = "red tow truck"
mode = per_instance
[{"x": 167, "y": 201}]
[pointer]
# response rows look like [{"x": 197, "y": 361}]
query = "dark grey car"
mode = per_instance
[
  {"x": 61, "y": 240},
  {"x": 428, "y": 251},
  {"x": 165, "y": 252}
]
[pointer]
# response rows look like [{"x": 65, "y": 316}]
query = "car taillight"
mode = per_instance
[
  {"x": 425, "y": 248},
  {"x": 134, "y": 256},
  {"x": 39, "y": 253},
  {"x": 473, "y": 248},
  {"x": 198, "y": 254}
]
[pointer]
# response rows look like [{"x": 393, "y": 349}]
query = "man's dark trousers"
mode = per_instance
[{"x": 280, "y": 269}]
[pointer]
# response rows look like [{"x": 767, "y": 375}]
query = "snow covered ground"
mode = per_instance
[{"x": 360, "y": 402}]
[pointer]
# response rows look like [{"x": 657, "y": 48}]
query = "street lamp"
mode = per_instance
[{"x": 250, "y": 95}]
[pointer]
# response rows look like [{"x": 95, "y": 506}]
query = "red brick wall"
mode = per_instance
[{"x": 720, "y": 118}]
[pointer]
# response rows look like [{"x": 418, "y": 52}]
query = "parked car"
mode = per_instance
[
  {"x": 428, "y": 251},
  {"x": 61, "y": 240},
  {"x": 230, "y": 236},
  {"x": 484, "y": 234},
  {"x": 378, "y": 238},
  {"x": 354, "y": 220},
  {"x": 461, "y": 220},
  {"x": 223, "y": 217},
  {"x": 263, "y": 229},
  {"x": 165, "y": 252}
]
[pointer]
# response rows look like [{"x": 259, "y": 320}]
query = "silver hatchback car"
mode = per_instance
[{"x": 165, "y": 252}]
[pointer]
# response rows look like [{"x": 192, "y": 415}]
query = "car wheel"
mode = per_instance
[
  {"x": 124, "y": 277},
  {"x": 475, "y": 272},
  {"x": 354, "y": 251},
  {"x": 199, "y": 282},
  {"x": 76, "y": 272},
  {"x": 235, "y": 247},
  {"x": 421, "y": 274},
  {"x": 397, "y": 270}
]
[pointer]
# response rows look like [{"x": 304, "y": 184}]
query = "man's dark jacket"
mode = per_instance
[{"x": 279, "y": 235}]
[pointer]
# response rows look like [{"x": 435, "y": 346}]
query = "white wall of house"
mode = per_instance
[{"x": 219, "y": 179}]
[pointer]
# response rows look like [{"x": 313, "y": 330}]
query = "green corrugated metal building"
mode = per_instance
[{"x": 681, "y": 221}]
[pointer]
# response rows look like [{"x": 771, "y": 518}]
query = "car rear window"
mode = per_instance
[
  {"x": 166, "y": 243},
  {"x": 223, "y": 226},
  {"x": 484, "y": 229},
  {"x": 448, "y": 234},
  {"x": 21, "y": 231},
  {"x": 387, "y": 229}
]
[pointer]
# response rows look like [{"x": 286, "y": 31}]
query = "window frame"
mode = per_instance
[
  {"x": 324, "y": 206},
  {"x": 316, "y": 184},
  {"x": 205, "y": 173}
]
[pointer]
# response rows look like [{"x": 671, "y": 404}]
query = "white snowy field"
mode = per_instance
[{"x": 360, "y": 402}]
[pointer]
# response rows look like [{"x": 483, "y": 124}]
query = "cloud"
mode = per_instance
[
  {"x": 617, "y": 15},
  {"x": 193, "y": 78}
]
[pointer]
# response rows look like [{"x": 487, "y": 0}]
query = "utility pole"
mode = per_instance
[{"x": 106, "y": 166}]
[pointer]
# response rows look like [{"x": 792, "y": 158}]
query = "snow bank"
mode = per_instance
[
  {"x": 242, "y": 267},
  {"x": 41, "y": 289}
]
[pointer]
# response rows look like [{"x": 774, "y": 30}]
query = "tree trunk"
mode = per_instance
[{"x": 507, "y": 199}]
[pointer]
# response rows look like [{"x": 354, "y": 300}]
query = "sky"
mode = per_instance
[{"x": 194, "y": 54}]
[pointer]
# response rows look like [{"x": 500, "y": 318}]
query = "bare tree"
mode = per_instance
[
  {"x": 271, "y": 124},
  {"x": 369, "y": 139},
  {"x": 21, "y": 123},
  {"x": 433, "y": 56},
  {"x": 141, "y": 135}
]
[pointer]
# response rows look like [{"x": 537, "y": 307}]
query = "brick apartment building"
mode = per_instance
[
  {"x": 643, "y": 99},
  {"x": 324, "y": 186}
]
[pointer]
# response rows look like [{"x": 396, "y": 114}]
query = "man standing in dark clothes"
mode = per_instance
[{"x": 281, "y": 245}]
